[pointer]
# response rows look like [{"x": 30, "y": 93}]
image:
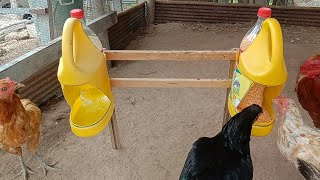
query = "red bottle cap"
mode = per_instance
[
  {"x": 264, "y": 12},
  {"x": 77, "y": 13}
]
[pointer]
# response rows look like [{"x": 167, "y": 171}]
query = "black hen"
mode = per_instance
[{"x": 225, "y": 156}]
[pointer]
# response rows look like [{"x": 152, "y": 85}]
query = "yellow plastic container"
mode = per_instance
[
  {"x": 84, "y": 81},
  {"x": 263, "y": 63}
]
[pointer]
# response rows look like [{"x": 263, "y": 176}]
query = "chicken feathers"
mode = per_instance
[
  {"x": 308, "y": 88},
  {"x": 34, "y": 113},
  {"x": 296, "y": 141},
  {"x": 225, "y": 156},
  {"x": 19, "y": 125},
  {"x": 308, "y": 171}
]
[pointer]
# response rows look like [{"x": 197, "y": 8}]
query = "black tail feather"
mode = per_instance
[{"x": 308, "y": 171}]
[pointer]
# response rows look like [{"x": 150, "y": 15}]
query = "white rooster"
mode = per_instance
[{"x": 296, "y": 141}]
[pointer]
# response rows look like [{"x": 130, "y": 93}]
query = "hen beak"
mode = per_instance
[
  {"x": 276, "y": 100},
  {"x": 18, "y": 85}
]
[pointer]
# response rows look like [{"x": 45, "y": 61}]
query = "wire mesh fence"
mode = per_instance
[
  {"x": 28, "y": 24},
  {"x": 17, "y": 37}
]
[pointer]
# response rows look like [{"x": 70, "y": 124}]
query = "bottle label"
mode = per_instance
[{"x": 239, "y": 88}]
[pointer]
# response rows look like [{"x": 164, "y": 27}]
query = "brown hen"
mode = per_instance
[
  {"x": 308, "y": 88},
  {"x": 19, "y": 125}
]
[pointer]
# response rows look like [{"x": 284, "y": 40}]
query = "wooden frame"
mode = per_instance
[{"x": 129, "y": 55}]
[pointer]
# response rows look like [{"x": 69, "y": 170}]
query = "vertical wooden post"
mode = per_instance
[
  {"x": 106, "y": 6},
  {"x": 93, "y": 9},
  {"x": 117, "y": 4},
  {"x": 50, "y": 18},
  {"x": 226, "y": 115},
  {"x": 114, "y": 132},
  {"x": 106, "y": 44},
  {"x": 14, "y": 4},
  {"x": 113, "y": 125},
  {"x": 151, "y": 11},
  {"x": 43, "y": 23}
]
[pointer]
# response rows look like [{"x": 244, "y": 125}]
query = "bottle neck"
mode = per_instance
[
  {"x": 260, "y": 20},
  {"x": 83, "y": 21}
]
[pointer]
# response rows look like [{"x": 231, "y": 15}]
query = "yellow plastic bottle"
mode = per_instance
[
  {"x": 263, "y": 63},
  {"x": 84, "y": 81}
]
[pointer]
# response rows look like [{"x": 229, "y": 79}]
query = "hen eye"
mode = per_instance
[{"x": 4, "y": 89}]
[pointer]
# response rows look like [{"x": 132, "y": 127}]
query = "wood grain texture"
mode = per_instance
[
  {"x": 127, "y": 55},
  {"x": 169, "y": 83}
]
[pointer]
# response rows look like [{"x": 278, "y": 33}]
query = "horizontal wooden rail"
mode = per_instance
[
  {"x": 121, "y": 55},
  {"x": 231, "y": 56},
  {"x": 170, "y": 83}
]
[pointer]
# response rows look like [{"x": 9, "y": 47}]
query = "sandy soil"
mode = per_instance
[
  {"x": 17, "y": 48},
  {"x": 158, "y": 126},
  {"x": 15, "y": 40}
]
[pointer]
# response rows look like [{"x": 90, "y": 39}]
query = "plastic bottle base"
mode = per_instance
[
  {"x": 91, "y": 130},
  {"x": 261, "y": 131},
  {"x": 258, "y": 129}
]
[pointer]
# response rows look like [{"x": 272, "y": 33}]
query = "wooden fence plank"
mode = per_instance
[
  {"x": 169, "y": 83},
  {"x": 169, "y": 55}
]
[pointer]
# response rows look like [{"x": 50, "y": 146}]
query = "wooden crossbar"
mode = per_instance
[
  {"x": 134, "y": 55},
  {"x": 127, "y": 55},
  {"x": 170, "y": 83}
]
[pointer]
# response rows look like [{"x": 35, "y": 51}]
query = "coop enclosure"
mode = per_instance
[{"x": 38, "y": 68}]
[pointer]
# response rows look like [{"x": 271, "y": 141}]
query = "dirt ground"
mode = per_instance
[
  {"x": 15, "y": 39},
  {"x": 158, "y": 126}
]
